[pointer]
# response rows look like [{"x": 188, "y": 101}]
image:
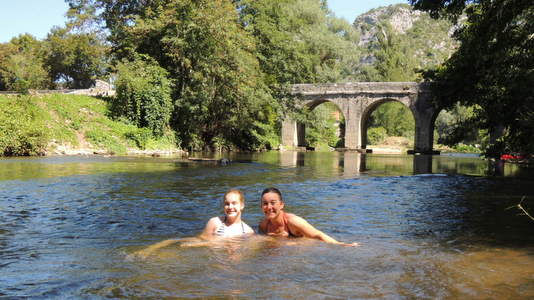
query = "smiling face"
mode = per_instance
[
  {"x": 272, "y": 205},
  {"x": 233, "y": 205}
]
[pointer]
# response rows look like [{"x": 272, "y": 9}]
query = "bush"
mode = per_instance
[
  {"x": 23, "y": 72},
  {"x": 22, "y": 130},
  {"x": 141, "y": 137},
  {"x": 323, "y": 127},
  {"x": 466, "y": 148},
  {"x": 376, "y": 135},
  {"x": 106, "y": 140},
  {"x": 143, "y": 94}
]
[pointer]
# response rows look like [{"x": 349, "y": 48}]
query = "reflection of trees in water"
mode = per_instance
[
  {"x": 454, "y": 165},
  {"x": 390, "y": 165},
  {"x": 465, "y": 212}
]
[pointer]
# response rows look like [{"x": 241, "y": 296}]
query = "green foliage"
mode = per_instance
[
  {"x": 64, "y": 59},
  {"x": 395, "y": 118},
  {"x": 376, "y": 135},
  {"x": 35, "y": 125},
  {"x": 141, "y": 137},
  {"x": 394, "y": 62},
  {"x": 267, "y": 133},
  {"x": 493, "y": 68},
  {"x": 22, "y": 130},
  {"x": 143, "y": 94},
  {"x": 218, "y": 90},
  {"x": 457, "y": 125},
  {"x": 460, "y": 147},
  {"x": 22, "y": 67},
  {"x": 75, "y": 60},
  {"x": 398, "y": 51},
  {"x": 298, "y": 41},
  {"x": 104, "y": 139},
  {"x": 323, "y": 126}
]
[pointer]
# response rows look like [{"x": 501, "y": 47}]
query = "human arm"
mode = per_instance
[
  {"x": 206, "y": 234},
  {"x": 301, "y": 227},
  {"x": 149, "y": 250},
  {"x": 210, "y": 228}
]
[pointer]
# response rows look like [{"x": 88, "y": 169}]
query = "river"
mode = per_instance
[{"x": 429, "y": 227}]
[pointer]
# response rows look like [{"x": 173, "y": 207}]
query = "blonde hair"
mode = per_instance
[{"x": 235, "y": 191}]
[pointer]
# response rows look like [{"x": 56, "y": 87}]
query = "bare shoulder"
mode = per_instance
[
  {"x": 214, "y": 221},
  {"x": 211, "y": 226},
  {"x": 294, "y": 219}
]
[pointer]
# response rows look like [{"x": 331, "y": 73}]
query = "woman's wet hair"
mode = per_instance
[
  {"x": 272, "y": 190},
  {"x": 236, "y": 191}
]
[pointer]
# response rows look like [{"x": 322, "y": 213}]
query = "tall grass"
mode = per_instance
[{"x": 32, "y": 125}]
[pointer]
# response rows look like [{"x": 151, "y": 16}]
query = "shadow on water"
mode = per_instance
[{"x": 430, "y": 227}]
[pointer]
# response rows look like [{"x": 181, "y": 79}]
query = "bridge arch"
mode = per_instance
[
  {"x": 368, "y": 111},
  {"x": 311, "y": 105},
  {"x": 357, "y": 100}
]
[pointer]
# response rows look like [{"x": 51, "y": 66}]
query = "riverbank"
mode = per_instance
[{"x": 59, "y": 124}]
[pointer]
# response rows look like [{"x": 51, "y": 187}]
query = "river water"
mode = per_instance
[{"x": 430, "y": 227}]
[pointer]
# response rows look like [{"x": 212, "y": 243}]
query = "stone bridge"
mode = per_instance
[{"x": 357, "y": 101}]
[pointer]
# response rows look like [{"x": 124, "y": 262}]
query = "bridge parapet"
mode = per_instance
[{"x": 361, "y": 88}]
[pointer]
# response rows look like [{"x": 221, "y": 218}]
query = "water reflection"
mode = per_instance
[
  {"x": 354, "y": 163},
  {"x": 422, "y": 164},
  {"x": 427, "y": 230}
]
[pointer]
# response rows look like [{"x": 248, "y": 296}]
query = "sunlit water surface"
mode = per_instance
[{"x": 429, "y": 227}]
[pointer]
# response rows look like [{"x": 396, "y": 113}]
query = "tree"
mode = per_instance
[
  {"x": 395, "y": 118},
  {"x": 450, "y": 125},
  {"x": 22, "y": 68},
  {"x": 299, "y": 41},
  {"x": 394, "y": 61},
  {"x": 218, "y": 90},
  {"x": 143, "y": 94},
  {"x": 75, "y": 59},
  {"x": 229, "y": 60},
  {"x": 493, "y": 68}
]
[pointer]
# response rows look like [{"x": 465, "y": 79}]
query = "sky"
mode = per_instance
[{"x": 37, "y": 17}]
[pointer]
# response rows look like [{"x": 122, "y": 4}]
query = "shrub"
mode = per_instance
[
  {"x": 376, "y": 135},
  {"x": 22, "y": 130},
  {"x": 141, "y": 137},
  {"x": 106, "y": 140},
  {"x": 143, "y": 94}
]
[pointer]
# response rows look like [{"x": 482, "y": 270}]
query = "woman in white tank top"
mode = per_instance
[{"x": 230, "y": 224}]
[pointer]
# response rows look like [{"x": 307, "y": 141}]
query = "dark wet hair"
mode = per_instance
[{"x": 272, "y": 190}]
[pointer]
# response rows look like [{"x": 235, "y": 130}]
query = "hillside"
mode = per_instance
[
  {"x": 428, "y": 41},
  {"x": 71, "y": 124}
]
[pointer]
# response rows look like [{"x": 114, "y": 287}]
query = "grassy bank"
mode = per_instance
[{"x": 70, "y": 124}]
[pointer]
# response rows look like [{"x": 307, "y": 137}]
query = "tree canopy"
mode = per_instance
[
  {"x": 230, "y": 62},
  {"x": 493, "y": 68}
]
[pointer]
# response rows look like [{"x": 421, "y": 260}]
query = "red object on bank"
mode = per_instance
[{"x": 510, "y": 156}]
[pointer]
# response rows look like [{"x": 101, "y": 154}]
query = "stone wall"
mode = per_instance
[{"x": 100, "y": 89}]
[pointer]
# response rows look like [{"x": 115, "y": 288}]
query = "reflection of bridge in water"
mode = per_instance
[{"x": 354, "y": 163}]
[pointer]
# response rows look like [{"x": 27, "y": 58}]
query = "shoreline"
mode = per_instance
[{"x": 66, "y": 150}]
